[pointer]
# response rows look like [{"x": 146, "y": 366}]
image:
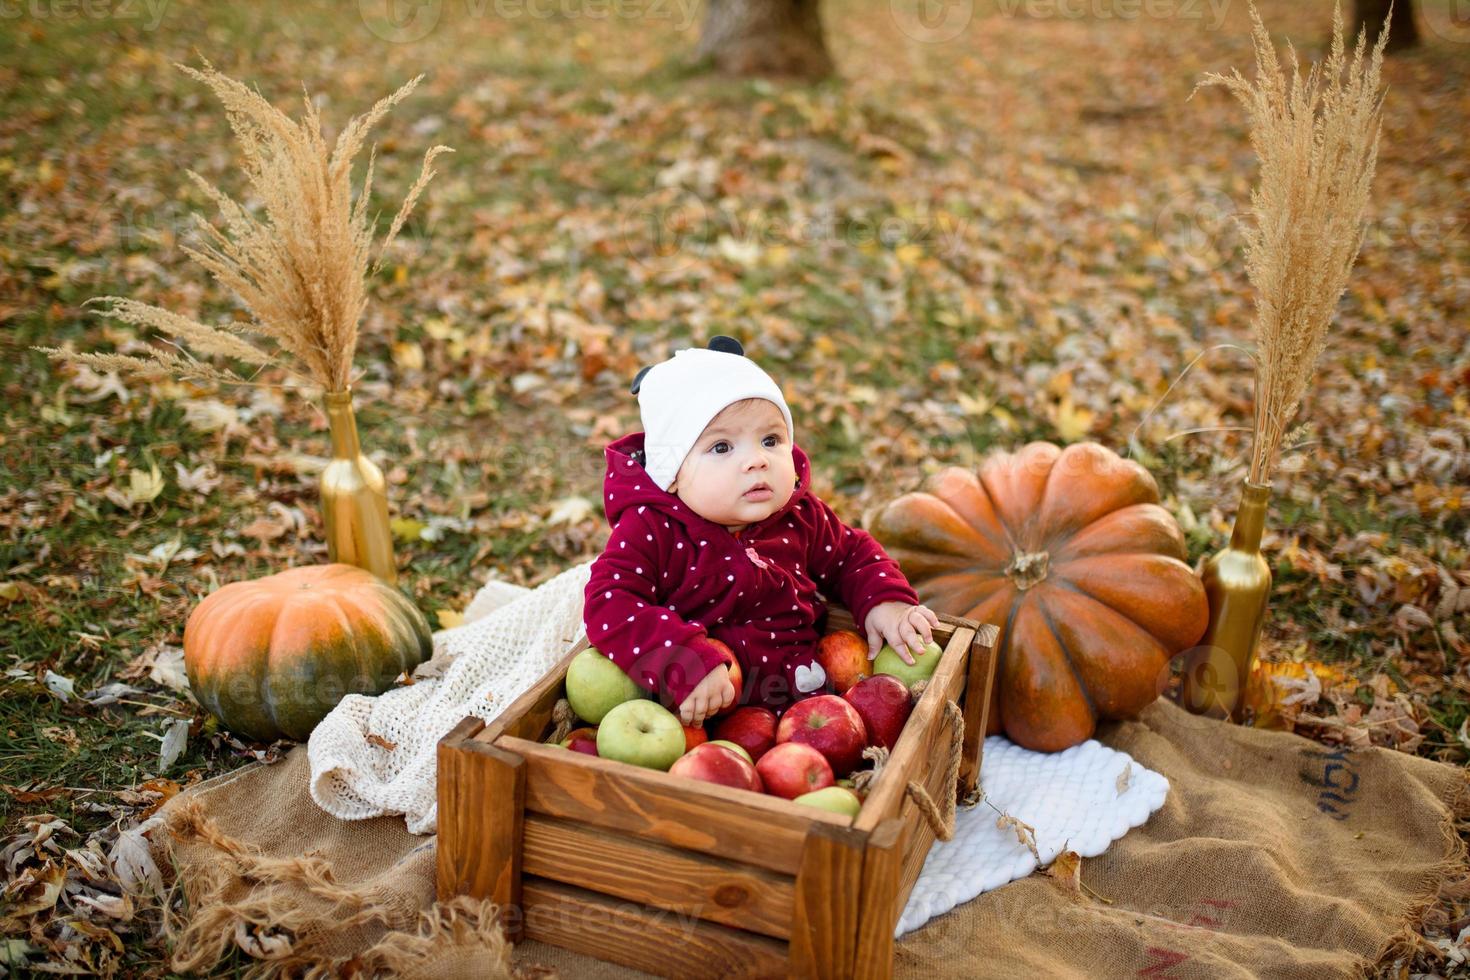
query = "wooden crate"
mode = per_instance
[{"x": 683, "y": 878}]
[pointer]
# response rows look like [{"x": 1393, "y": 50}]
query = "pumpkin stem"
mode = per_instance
[{"x": 1028, "y": 568}]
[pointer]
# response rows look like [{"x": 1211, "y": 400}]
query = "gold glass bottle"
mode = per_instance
[
  {"x": 1237, "y": 583},
  {"x": 354, "y": 497}
]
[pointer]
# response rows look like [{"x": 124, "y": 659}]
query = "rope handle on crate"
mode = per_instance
[{"x": 941, "y": 821}]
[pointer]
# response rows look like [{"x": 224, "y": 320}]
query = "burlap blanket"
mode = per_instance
[{"x": 1274, "y": 856}]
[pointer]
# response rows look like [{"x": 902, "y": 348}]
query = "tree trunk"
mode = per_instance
[
  {"x": 1369, "y": 15},
  {"x": 765, "y": 37}
]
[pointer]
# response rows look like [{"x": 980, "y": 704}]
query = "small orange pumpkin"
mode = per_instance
[
  {"x": 1068, "y": 552},
  {"x": 270, "y": 657}
]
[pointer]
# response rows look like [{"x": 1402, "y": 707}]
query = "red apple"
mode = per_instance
[
  {"x": 735, "y": 675},
  {"x": 884, "y": 705},
  {"x": 831, "y": 726},
  {"x": 694, "y": 735},
  {"x": 751, "y": 727},
  {"x": 717, "y": 764},
  {"x": 581, "y": 740},
  {"x": 793, "y": 768},
  {"x": 844, "y": 656}
]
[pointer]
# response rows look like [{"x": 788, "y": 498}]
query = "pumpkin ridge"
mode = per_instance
[
  {"x": 1010, "y": 543},
  {"x": 971, "y": 482},
  {"x": 1068, "y": 573},
  {"x": 1004, "y": 469},
  {"x": 1067, "y": 655},
  {"x": 345, "y": 625},
  {"x": 1082, "y": 542},
  {"x": 403, "y": 617},
  {"x": 366, "y": 613},
  {"x": 1003, "y": 646}
]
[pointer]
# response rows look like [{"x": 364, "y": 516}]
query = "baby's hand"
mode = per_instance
[
  {"x": 901, "y": 626},
  {"x": 710, "y": 695}
]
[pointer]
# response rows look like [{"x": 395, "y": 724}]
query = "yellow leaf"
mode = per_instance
[
  {"x": 571, "y": 510},
  {"x": 973, "y": 406},
  {"x": 449, "y": 619},
  {"x": 408, "y": 355},
  {"x": 1072, "y": 423},
  {"x": 1066, "y": 870},
  {"x": 1275, "y": 689},
  {"x": 908, "y": 254},
  {"x": 1060, "y": 383},
  {"x": 406, "y": 528},
  {"x": 144, "y": 488},
  {"x": 441, "y": 328}
]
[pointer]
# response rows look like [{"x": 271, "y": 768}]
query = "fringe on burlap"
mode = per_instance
[
  {"x": 1451, "y": 878},
  {"x": 464, "y": 927},
  {"x": 230, "y": 900}
]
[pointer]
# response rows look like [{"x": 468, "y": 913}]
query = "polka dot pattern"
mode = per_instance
[{"x": 645, "y": 601}]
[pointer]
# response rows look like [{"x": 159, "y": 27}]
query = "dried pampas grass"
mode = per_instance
[
  {"x": 299, "y": 268},
  {"x": 1317, "y": 141}
]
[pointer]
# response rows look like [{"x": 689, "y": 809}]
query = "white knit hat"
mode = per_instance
[{"x": 679, "y": 397}]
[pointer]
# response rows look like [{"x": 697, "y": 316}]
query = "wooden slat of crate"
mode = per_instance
[
  {"x": 659, "y": 942},
  {"x": 978, "y": 686},
  {"x": 734, "y": 824},
  {"x": 828, "y": 903},
  {"x": 479, "y": 856},
  {"x": 727, "y": 892},
  {"x": 881, "y": 866},
  {"x": 926, "y": 731},
  {"x": 921, "y": 836}
]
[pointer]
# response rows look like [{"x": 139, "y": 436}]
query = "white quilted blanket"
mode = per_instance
[{"x": 1081, "y": 800}]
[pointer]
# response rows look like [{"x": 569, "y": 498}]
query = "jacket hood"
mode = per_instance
[{"x": 627, "y": 484}]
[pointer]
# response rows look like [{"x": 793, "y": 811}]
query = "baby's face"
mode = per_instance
[{"x": 741, "y": 448}]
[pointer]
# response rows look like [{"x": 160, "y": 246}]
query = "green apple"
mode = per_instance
[
  {"x": 642, "y": 733},
  {"x": 596, "y": 685},
  {"x": 889, "y": 662},
  {"x": 838, "y": 799},
  {"x": 733, "y": 747}
]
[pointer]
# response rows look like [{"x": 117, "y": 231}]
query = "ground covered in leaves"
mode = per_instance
[{"x": 1021, "y": 232}]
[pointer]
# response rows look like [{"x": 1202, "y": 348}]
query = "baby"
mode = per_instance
[{"x": 717, "y": 535}]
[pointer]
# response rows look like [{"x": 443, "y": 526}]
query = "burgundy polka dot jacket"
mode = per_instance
[{"x": 669, "y": 580}]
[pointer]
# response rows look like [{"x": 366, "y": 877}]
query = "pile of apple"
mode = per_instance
[{"x": 807, "y": 754}]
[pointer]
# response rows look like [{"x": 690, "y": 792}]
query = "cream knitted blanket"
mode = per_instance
[{"x": 511, "y": 637}]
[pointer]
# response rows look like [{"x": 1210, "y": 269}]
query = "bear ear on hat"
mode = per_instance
[
  {"x": 638, "y": 381},
  {"x": 724, "y": 344}
]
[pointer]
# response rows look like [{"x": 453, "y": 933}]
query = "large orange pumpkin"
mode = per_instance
[
  {"x": 1070, "y": 554},
  {"x": 271, "y": 657}
]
